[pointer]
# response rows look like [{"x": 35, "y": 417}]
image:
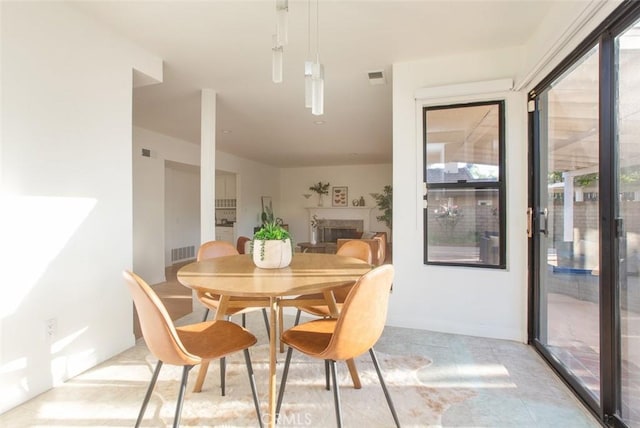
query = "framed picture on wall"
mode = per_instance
[{"x": 339, "y": 196}]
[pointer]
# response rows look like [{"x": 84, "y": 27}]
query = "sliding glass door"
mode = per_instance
[
  {"x": 568, "y": 231},
  {"x": 627, "y": 175},
  {"x": 585, "y": 219}
]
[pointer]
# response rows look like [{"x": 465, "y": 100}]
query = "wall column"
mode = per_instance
[{"x": 207, "y": 165}]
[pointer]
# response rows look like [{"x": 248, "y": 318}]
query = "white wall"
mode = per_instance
[
  {"x": 182, "y": 207},
  {"x": 148, "y": 216},
  {"x": 361, "y": 180},
  {"x": 150, "y": 248},
  {"x": 66, "y": 194},
  {"x": 474, "y": 301},
  {"x": 254, "y": 180}
]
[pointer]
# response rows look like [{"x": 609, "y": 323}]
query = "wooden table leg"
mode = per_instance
[
  {"x": 351, "y": 364},
  {"x": 280, "y": 327},
  {"x": 204, "y": 366},
  {"x": 353, "y": 370},
  {"x": 272, "y": 361}
]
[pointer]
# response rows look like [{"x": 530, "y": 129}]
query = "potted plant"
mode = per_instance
[
  {"x": 271, "y": 245},
  {"x": 384, "y": 201},
  {"x": 320, "y": 189}
]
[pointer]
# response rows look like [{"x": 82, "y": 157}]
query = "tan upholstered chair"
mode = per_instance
[
  {"x": 241, "y": 244},
  {"x": 353, "y": 248},
  {"x": 185, "y": 346},
  {"x": 214, "y": 249},
  {"x": 356, "y": 330},
  {"x": 378, "y": 244}
]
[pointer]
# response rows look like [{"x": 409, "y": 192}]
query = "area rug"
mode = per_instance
[{"x": 306, "y": 401}]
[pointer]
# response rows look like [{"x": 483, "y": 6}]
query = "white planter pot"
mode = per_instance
[{"x": 277, "y": 254}]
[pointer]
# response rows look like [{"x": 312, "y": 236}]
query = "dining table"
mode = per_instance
[{"x": 238, "y": 281}]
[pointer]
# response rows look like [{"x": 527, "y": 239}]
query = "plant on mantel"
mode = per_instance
[{"x": 321, "y": 189}]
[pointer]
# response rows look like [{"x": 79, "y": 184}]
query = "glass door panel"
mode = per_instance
[
  {"x": 568, "y": 252},
  {"x": 628, "y": 176}
]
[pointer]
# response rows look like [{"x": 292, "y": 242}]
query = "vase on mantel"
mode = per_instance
[
  {"x": 314, "y": 240},
  {"x": 320, "y": 200}
]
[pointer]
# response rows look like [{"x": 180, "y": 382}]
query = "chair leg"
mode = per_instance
[
  {"x": 147, "y": 396},
  {"x": 252, "y": 382},
  {"x": 297, "y": 321},
  {"x": 336, "y": 392},
  {"x": 283, "y": 382},
  {"x": 326, "y": 375},
  {"x": 206, "y": 314},
  {"x": 384, "y": 387},
  {"x": 223, "y": 370},
  {"x": 266, "y": 321},
  {"x": 183, "y": 387},
  {"x": 244, "y": 320}
]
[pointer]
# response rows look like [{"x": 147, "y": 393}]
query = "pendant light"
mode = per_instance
[
  {"x": 308, "y": 64},
  {"x": 317, "y": 74},
  {"x": 282, "y": 25},
  {"x": 276, "y": 61},
  {"x": 279, "y": 40}
]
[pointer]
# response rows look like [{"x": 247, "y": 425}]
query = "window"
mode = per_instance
[{"x": 464, "y": 175}]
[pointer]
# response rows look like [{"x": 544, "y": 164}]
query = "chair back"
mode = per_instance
[
  {"x": 379, "y": 258},
  {"x": 363, "y": 315},
  {"x": 213, "y": 249},
  {"x": 358, "y": 249},
  {"x": 157, "y": 328},
  {"x": 241, "y": 244}
]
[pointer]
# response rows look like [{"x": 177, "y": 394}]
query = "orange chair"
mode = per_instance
[
  {"x": 353, "y": 248},
  {"x": 356, "y": 330},
  {"x": 214, "y": 249},
  {"x": 241, "y": 244},
  {"x": 185, "y": 346},
  {"x": 378, "y": 244}
]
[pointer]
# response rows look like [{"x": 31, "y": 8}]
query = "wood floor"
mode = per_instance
[{"x": 175, "y": 296}]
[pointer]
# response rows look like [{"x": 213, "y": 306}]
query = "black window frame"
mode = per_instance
[{"x": 499, "y": 185}]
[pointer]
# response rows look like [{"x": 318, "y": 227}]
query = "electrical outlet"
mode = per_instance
[{"x": 51, "y": 327}]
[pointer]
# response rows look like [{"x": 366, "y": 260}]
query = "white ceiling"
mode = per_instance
[{"x": 226, "y": 46}]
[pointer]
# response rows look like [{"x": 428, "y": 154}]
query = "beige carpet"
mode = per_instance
[{"x": 306, "y": 402}]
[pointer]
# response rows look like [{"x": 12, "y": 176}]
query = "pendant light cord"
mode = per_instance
[
  {"x": 318, "y": 31},
  {"x": 308, "y": 28}
]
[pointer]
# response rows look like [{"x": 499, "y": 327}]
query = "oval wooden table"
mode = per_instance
[{"x": 238, "y": 277}]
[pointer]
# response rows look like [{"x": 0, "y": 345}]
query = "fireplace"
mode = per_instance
[{"x": 330, "y": 230}]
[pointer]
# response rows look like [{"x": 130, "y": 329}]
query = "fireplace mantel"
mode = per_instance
[{"x": 343, "y": 213}]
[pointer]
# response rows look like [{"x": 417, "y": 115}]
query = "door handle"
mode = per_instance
[
  {"x": 544, "y": 228},
  {"x": 529, "y": 222}
]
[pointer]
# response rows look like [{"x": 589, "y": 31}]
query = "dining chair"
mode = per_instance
[
  {"x": 185, "y": 346},
  {"x": 214, "y": 249},
  {"x": 356, "y": 249},
  {"x": 356, "y": 330},
  {"x": 241, "y": 244}
]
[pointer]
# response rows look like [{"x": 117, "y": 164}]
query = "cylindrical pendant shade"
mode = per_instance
[
  {"x": 308, "y": 65},
  {"x": 282, "y": 26},
  {"x": 317, "y": 89},
  {"x": 317, "y": 106},
  {"x": 276, "y": 64}
]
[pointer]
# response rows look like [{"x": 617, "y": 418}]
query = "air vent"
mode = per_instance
[
  {"x": 183, "y": 253},
  {"x": 146, "y": 153},
  {"x": 376, "y": 77}
]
